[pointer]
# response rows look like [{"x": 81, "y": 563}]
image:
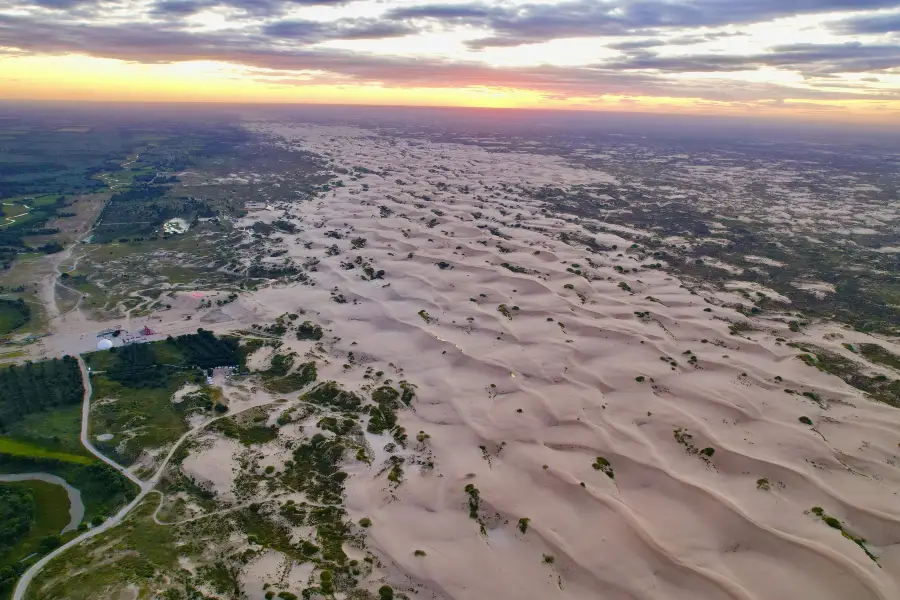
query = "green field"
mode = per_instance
[
  {"x": 13, "y": 447},
  {"x": 13, "y": 315},
  {"x": 58, "y": 430}
]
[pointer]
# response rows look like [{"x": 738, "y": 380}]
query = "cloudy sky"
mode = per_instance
[{"x": 836, "y": 59}]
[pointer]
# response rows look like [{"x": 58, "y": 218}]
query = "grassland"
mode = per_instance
[
  {"x": 13, "y": 315},
  {"x": 12, "y": 447},
  {"x": 132, "y": 392},
  {"x": 40, "y": 416},
  {"x": 138, "y": 418},
  {"x": 20, "y": 281},
  {"x": 880, "y": 355},
  {"x": 58, "y": 430},
  {"x": 111, "y": 273},
  {"x": 137, "y": 551},
  {"x": 879, "y": 387},
  {"x": 51, "y": 516}
]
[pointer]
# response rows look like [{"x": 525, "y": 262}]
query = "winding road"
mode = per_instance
[
  {"x": 146, "y": 486},
  {"x": 28, "y": 576}
]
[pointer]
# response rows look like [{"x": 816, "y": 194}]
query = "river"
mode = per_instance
[{"x": 76, "y": 506}]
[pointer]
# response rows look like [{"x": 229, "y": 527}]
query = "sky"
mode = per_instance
[{"x": 816, "y": 59}]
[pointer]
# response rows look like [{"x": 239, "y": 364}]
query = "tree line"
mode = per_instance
[{"x": 34, "y": 387}]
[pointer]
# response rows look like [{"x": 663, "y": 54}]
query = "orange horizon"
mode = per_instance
[{"x": 87, "y": 79}]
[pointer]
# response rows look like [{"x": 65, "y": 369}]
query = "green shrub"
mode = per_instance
[
  {"x": 309, "y": 331},
  {"x": 386, "y": 592},
  {"x": 523, "y": 524}
]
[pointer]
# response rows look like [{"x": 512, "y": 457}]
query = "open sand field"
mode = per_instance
[{"x": 527, "y": 373}]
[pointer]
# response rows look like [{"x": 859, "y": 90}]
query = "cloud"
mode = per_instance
[
  {"x": 284, "y": 51},
  {"x": 60, "y": 4},
  {"x": 182, "y": 8},
  {"x": 868, "y": 24},
  {"x": 345, "y": 29},
  {"x": 513, "y": 25},
  {"x": 177, "y": 8},
  {"x": 305, "y": 65},
  {"x": 809, "y": 59},
  {"x": 657, "y": 42}
]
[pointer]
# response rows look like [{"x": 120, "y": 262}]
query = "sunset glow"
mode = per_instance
[{"x": 694, "y": 56}]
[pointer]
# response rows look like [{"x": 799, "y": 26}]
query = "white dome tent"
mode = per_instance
[{"x": 104, "y": 344}]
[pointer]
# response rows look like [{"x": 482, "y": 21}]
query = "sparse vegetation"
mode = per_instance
[{"x": 836, "y": 524}]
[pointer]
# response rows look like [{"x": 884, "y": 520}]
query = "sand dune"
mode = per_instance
[{"x": 522, "y": 382}]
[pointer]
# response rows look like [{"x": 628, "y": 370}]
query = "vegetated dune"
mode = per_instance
[{"x": 527, "y": 372}]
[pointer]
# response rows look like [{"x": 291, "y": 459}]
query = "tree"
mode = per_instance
[{"x": 386, "y": 592}]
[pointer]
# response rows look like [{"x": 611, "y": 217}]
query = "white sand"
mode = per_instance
[{"x": 212, "y": 465}]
